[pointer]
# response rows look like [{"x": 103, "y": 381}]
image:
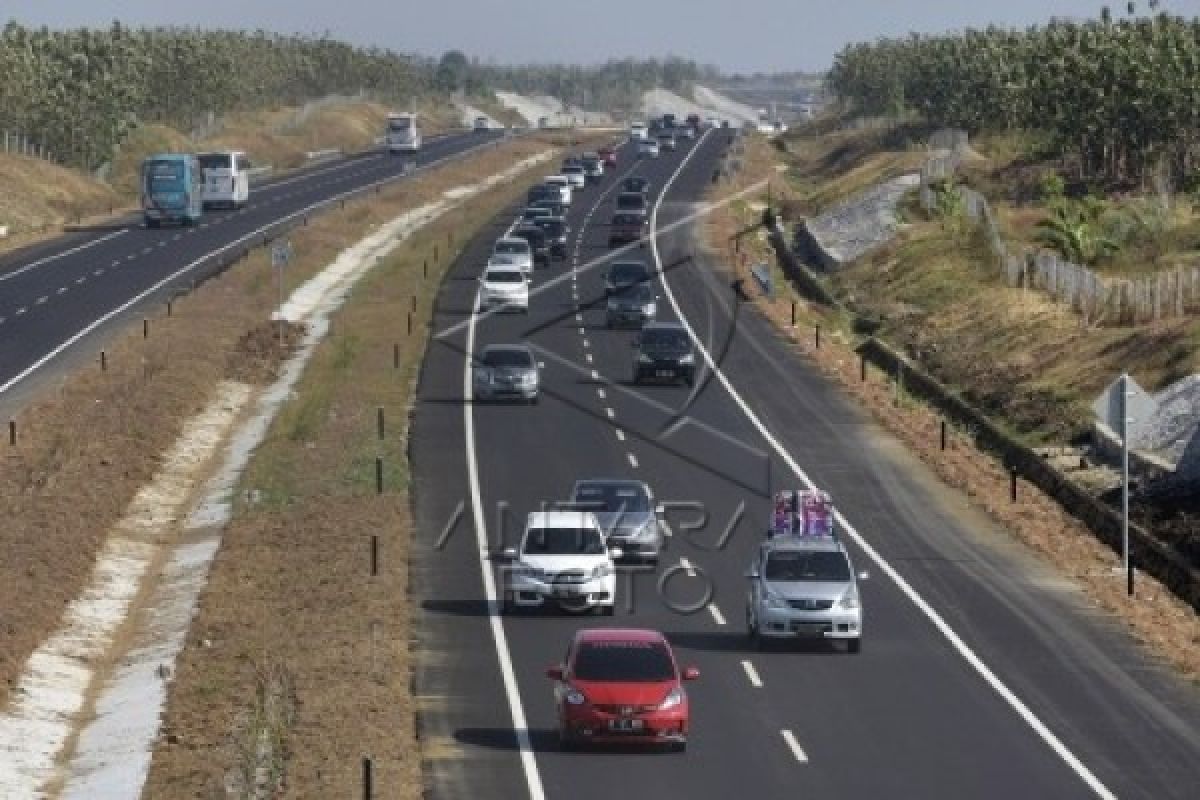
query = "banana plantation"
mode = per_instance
[{"x": 1121, "y": 97}]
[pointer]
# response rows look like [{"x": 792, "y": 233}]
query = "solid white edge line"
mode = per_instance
[
  {"x": 43, "y": 261},
  {"x": 939, "y": 623},
  {"x": 794, "y": 746},
  {"x": 511, "y": 689},
  {"x": 717, "y": 616},
  {"x": 96, "y": 323},
  {"x": 633, "y": 462},
  {"x": 752, "y": 675}
]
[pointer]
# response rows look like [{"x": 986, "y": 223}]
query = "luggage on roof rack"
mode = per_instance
[{"x": 802, "y": 512}]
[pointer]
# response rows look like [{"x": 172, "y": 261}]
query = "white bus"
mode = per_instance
[
  {"x": 403, "y": 135},
  {"x": 226, "y": 179}
]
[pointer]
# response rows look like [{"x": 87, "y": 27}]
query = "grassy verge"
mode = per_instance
[
  {"x": 928, "y": 285},
  {"x": 291, "y": 587}
]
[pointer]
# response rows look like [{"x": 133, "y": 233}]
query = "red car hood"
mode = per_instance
[{"x": 624, "y": 694}]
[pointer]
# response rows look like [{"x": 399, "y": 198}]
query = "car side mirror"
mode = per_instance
[
  {"x": 864, "y": 575},
  {"x": 615, "y": 552},
  {"x": 507, "y": 554},
  {"x": 554, "y": 673},
  {"x": 691, "y": 674}
]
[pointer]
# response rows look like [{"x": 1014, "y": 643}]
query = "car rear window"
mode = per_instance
[
  {"x": 623, "y": 662},
  {"x": 512, "y": 248},
  {"x": 216, "y": 161},
  {"x": 504, "y": 276},
  {"x": 507, "y": 358},
  {"x": 630, "y": 201},
  {"x": 564, "y": 542},
  {"x": 820, "y": 565},
  {"x": 672, "y": 340},
  {"x": 612, "y": 498},
  {"x": 628, "y": 219},
  {"x": 629, "y": 272}
]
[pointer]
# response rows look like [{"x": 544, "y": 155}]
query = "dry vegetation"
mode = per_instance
[
  {"x": 973, "y": 313},
  {"x": 84, "y": 450},
  {"x": 291, "y": 585}
]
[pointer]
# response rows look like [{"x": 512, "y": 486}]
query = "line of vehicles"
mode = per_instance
[
  {"x": 623, "y": 685},
  {"x": 179, "y": 187}
]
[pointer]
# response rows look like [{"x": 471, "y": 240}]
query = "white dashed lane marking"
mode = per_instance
[
  {"x": 588, "y": 357},
  {"x": 752, "y": 675},
  {"x": 620, "y": 435},
  {"x": 61, "y": 290},
  {"x": 99, "y": 272},
  {"x": 794, "y": 746},
  {"x": 633, "y": 462},
  {"x": 41, "y": 300},
  {"x": 611, "y": 414},
  {"x": 717, "y": 616},
  {"x": 601, "y": 393},
  {"x": 21, "y": 311}
]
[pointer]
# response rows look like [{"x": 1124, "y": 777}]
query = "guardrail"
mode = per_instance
[
  {"x": 314, "y": 155},
  {"x": 254, "y": 174}
]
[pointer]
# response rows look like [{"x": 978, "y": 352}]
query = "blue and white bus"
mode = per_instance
[{"x": 172, "y": 189}]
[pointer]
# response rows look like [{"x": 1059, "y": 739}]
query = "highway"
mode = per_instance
[
  {"x": 58, "y": 295},
  {"x": 982, "y": 674}
]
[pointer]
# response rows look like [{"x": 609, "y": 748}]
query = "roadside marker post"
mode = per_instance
[
  {"x": 281, "y": 255},
  {"x": 379, "y": 422}
]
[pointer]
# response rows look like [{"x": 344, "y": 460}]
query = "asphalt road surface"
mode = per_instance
[
  {"x": 55, "y": 297},
  {"x": 982, "y": 675}
]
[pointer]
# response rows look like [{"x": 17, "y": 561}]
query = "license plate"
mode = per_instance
[
  {"x": 808, "y": 628},
  {"x": 625, "y": 725}
]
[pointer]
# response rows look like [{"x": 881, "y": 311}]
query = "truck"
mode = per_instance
[{"x": 403, "y": 135}]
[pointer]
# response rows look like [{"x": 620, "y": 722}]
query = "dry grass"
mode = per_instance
[
  {"x": 291, "y": 583},
  {"x": 85, "y": 450},
  {"x": 993, "y": 324}
]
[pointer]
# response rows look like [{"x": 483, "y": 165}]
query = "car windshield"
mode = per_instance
[
  {"x": 507, "y": 358},
  {"x": 818, "y": 565},
  {"x": 625, "y": 273},
  {"x": 512, "y": 248},
  {"x": 631, "y": 202},
  {"x": 639, "y": 294},
  {"x": 612, "y": 497},
  {"x": 564, "y": 542},
  {"x": 665, "y": 340},
  {"x": 215, "y": 161},
  {"x": 503, "y": 276},
  {"x": 160, "y": 172},
  {"x": 623, "y": 662},
  {"x": 400, "y": 124}
]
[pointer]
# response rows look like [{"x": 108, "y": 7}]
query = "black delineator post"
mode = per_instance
[
  {"x": 103, "y": 361},
  {"x": 410, "y": 323},
  {"x": 425, "y": 268},
  {"x": 374, "y": 555},
  {"x": 379, "y": 422},
  {"x": 817, "y": 336},
  {"x": 1012, "y": 484},
  {"x": 414, "y": 303},
  {"x": 862, "y": 367},
  {"x": 943, "y": 447},
  {"x": 378, "y": 474},
  {"x": 396, "y": 356},
  {"x": 12, "y": 432},
  {"x": 793, "y": 313},
  {"x": 368, "y": 789},
  {"x": 145, "y": 328}
]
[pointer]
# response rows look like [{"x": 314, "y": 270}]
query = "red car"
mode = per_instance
[
  {"x": 621, "y": 685},
  {"x": 608, "y": 155}
]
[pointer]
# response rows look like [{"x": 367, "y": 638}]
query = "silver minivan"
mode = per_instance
[
  {"x": 804, "y": 587},
  {"x": 226, "y": 179}
]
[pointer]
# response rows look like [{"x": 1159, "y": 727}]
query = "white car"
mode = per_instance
[
  {"x": 481, "y": 124},
  {"x": 648, "y": 147},
  {"x": 513, "y": 251},
  {"x": 564, "y": 187},
  {"x": 576, "y": 176},
  {"x": 637, "y": 131},
  {"x": 504, "y": 287},
  {"x": 563, "y": 559}
]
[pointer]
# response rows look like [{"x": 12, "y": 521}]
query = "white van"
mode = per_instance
[
  {"x": 226, "y": 179},
  {"x": 563, "y": 185},
  {"x": 403, "y": 135}
]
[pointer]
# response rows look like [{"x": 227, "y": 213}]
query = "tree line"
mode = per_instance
[
  {"x": 78, "y": 92},
  {"x": 1122, "y": 96}
]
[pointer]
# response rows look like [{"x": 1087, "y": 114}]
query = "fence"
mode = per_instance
[
  {"x": 1097, "y": 298},
  {"x": 20, "y": 144}
]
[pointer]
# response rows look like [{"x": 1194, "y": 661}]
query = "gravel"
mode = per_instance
[{"x": 864, "y": 223}]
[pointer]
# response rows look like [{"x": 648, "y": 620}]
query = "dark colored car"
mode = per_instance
[
  {"x": 552, "y": 205},
  {"x": 626, "y": 512},
  {"x": 663, "y": 352},
  {"x": 666, "y": 141},
  {"x": 626, "y": 227},
  {"x": 624, "y": 274},
  {"x": 609, "y": 156},
  {"x": 636, "y": 184},
  {"x": 693, "y": 120},
  {"x": 632, "y": 202},
  {"x": 631, "y": 307},
  {"x": 540, "y": 194},
  {"x": 593, "y": 168},
  {"x": 556, "y": 230},
  {"x": 538, "y": 242}
]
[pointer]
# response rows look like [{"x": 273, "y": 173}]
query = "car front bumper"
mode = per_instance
[
  {"x": 793, "y": 624},
  {"x": 586, "y": 723},
  {"x": 534, "y": 592}
]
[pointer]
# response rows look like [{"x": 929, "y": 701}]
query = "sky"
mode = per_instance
[{"x": 738, "y": 36}]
